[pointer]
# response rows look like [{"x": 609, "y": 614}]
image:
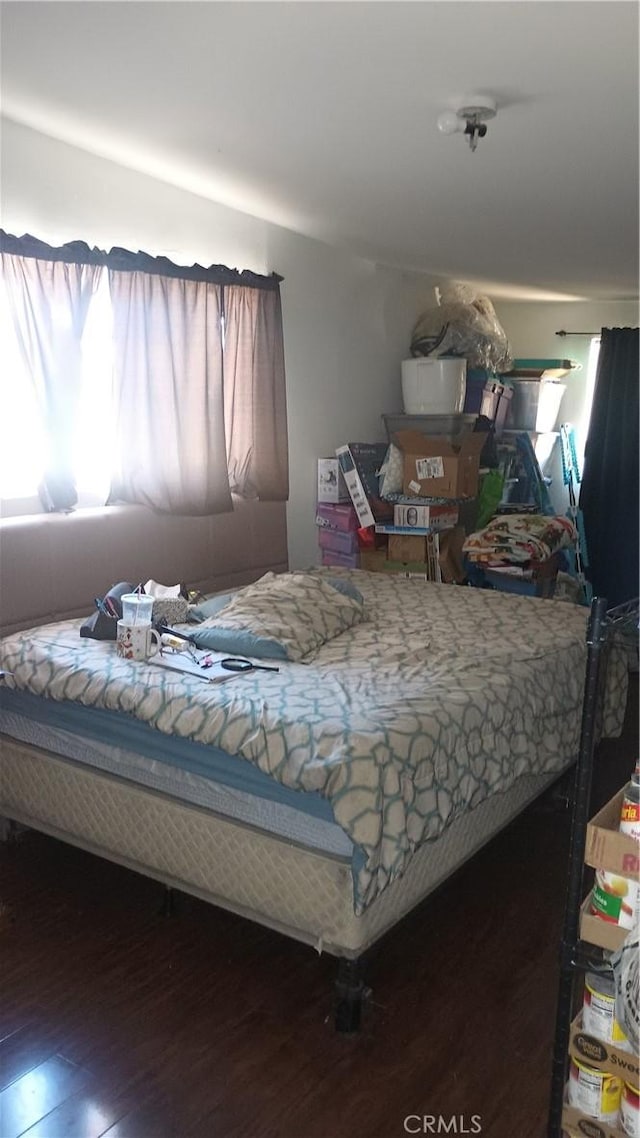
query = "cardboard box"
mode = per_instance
[
  {"x": 603, "y": 1056},
  {"x": 331, "y": 484},
  {"x": 596, "y": 931},
  {"x": 373, "y": 560},
  {"x": 579, "y": 1125},
  {"x": 451, "y": 563},
  {"x": 425, "y": 517},
  {"x": 360, "y": 463},
  {"x": 332, "y": 515},
  {"x": 418, "y": 570},
  {"x": 606, "y": 847},
  {"x": 403, "y": 548},
  {"x": 435, "y": 467},
  {"x": 343, "y": 560},
  {"x": 337, "y": 541},
  {"x": 427, "y": 568}
]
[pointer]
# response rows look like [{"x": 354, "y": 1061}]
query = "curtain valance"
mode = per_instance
[{"x": 125, "y": 261}]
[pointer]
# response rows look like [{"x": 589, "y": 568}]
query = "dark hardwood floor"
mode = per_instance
[{"x": 118, "y": 1023}]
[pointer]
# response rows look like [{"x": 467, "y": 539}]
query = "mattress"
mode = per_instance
[
  {"x": 227, "y": 801},
  {"x": 296, "y": 891},
  {"x": 443, "y": 698}
]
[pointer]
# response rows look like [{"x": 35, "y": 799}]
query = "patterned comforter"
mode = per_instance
[{"x": 440, "y": 698}]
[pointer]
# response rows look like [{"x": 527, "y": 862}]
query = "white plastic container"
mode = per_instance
[
  {"x": 137, "y": 608},
  {"x": 433, "y": 386}
]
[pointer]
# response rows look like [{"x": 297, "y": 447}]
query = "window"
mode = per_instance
[
  {"x": 126, "y": 378},
  {"x": 24, "y": 446},
  {"x": 582, "y": 428}
]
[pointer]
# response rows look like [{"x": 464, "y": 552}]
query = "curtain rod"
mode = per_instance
[{"x": 563, "y": 333}]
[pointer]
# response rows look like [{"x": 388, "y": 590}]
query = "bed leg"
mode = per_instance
[
  {"x": 9, "y": 831},
  {"x": 349, "y": 993},
  {"x": 167, "y": 908}
]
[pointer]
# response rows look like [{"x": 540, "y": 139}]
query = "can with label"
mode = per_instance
[
  {"x": 615, "y": 898},
  {"x": 630, "y": 1111},
  {"x": 599, "y": 1010},
  {"x": 630, "y": 813},
  {"x": 595, "y": 1093}
]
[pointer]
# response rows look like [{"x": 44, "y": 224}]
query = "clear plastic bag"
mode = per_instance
[
  {"x": 463, "y": 324},
  {"x": 626, "y": 973}
]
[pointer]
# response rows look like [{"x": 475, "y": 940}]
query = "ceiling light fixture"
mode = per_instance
[{"x": 470, "y": 119}]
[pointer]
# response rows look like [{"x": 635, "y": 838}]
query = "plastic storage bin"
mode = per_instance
[
  {"x": 449, "y": 425},
  {"x": 433, "y": 386},
  {"x": 535, "y": 405},
  {"x": 488, "y": 395}
]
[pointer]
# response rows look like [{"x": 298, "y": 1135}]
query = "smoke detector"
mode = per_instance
[{"x": 470, "y": 119}]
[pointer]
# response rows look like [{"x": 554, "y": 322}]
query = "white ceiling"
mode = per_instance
[{"x": 321, "y": 117}]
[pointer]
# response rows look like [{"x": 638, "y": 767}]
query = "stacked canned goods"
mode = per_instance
[
  {"x": 595, "y": 1093},
  {"x": 601, "y": 1095},
  {"x": 630, "y": 1110},
  {"x": 599, "y": 1010}
]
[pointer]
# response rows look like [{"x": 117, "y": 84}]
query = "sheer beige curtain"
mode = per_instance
[
  {"x": 49, "y": 301},
  {"x": 254, "y": 393},
  {"x": 169, "y": 394}
]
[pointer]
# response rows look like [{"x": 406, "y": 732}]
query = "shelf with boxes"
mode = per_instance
[
  {"x": 599, "y": 1097},
  {"x": 603, "y": 1066}
]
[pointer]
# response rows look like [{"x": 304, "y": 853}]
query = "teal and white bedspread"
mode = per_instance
[{"x": 441, "y": 697}]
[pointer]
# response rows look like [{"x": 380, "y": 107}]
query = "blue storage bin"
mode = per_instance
[
  {"x": 477, "y": 379},
  {"x": 489, "y": 395}
]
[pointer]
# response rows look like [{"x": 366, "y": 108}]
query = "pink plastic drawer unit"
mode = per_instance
[
  {"x": 343, "y": 560},
  {"x": 338, "y": 542},
  {"x": 336, "y": 517}
]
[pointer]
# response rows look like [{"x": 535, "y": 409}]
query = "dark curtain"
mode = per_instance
[{"x": 609, "y": 496}]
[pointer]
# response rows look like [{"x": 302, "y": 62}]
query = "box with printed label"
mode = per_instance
[
  {"x": 425, "y": 517},
  {"x": 331, "y": 484},
  {"x": 606, "y": 848},
  {"x": 594, "y": 930},
  {"x": 577, "y": 1124},
  {"x": 360, "y": 463},
  {"x": 337, "y": 541},
  {"x": 344, "y": 560},
  {"x": 601, "y": 1056},
  {"x": 336, "y": 515},
  {"x": 436, "y": 467}
]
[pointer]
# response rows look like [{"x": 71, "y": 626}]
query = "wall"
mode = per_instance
[
  {"x": 531, "y": 328},
  {"x": 347, "y": 323}
]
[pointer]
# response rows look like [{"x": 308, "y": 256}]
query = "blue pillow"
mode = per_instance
[
  {"x": 211, "y": 606},
  {"x": 347, "y": 588},
  {"x": 238, "y": 642}
]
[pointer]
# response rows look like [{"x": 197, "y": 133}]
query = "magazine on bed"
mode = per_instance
[{"x": 205, "y": 665}]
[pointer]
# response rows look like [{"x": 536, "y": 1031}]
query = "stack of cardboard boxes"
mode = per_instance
[
  {"x": 336, "y": 519},
  {"x": 418, "y": 533}
]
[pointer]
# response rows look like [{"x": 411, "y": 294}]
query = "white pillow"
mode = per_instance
[{"x": 285, "y": 616}]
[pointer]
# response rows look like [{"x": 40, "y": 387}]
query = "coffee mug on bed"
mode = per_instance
[{"x": 136, "y": 641}]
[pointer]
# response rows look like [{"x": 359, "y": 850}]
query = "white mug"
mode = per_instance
[{"x": 137, "y": 641}]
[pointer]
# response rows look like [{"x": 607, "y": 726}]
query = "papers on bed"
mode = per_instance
[{"x": 192, "y": 663}]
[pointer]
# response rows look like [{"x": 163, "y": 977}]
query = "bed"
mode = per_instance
[{"x": 328, "y": 799}]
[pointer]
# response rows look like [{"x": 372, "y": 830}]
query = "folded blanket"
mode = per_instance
[{"x": 519, "y": 538}]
